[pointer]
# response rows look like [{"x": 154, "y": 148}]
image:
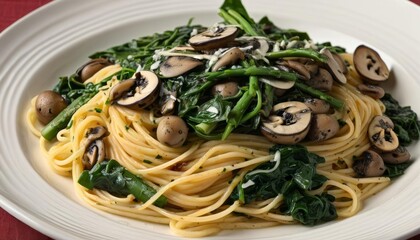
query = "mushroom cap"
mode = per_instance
[
  {"x": 172, "y": 131},
  {"x": 317, "y": 105},
  {"x": 213, "y": 38},
  {"x": 230, "y": 57},
  {"x": 369, "y": 64},
  {"x": 298, "y": 67},
  {"x": 137, "y": 92},
  {"x": 89, "y": 69},
  {"x": 276, "y": 83},
  {"x": 288, "y": 123},
  {"x": 399, "y": 155},
  {"x": 373, "y": 91},
  {"x": 177, "y": 65},
  {"x": 381, "y": 133},
  {"x": 226, "y": 89},
  {"x": 323, "y": 127},
  {"x": 369, "y": 164},
  {"x": 95, "y": 153},
  {"x": 48, "y": 105},
  {"x": 333, "y": 67},
  {"x": 322, "y": 80}
]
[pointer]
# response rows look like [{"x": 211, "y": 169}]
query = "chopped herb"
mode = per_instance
[
  {"x": 147, "y": 161},
  {"x": 98, "y": 110}
]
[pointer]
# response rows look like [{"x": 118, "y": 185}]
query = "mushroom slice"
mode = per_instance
[
  {"x": 226, "y": 89},
  {"x": 278, "y": 84},
  {"x": 215, "y": 37},
  {"x": 340, "y": 62},
  {"x": 95, "y": 147},
  {"x": 139, "y": 92},
  {"x": 370, "y": 65},
  {"x": 168, "y": 101},
  {"x": 288, "y": 123},
  {"x": 333, "y": 67},
  {"x": 297, "y": 67},
  {"x": 369, "y": 164},
  {"x": 399, "y": 155},
  {"x": 95, "y": 153},
  {"x": 323, "y": 127},
  {"x": 381, "y": 133},
  {"x": 317, "y": 105},
  {"x": 373, "y": 91},
  {"x": 178, "y": 65},
  {"x": 322, "y": 80},
  {"x": 230, "y": 57}
]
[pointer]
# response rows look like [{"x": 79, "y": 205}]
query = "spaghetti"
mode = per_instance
[{"x": 198, "y": 190}]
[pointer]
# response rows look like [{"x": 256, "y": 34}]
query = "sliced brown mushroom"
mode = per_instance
[
  {"x": 373, "y": 91},
  {"x": 322, "y": 80},
  {"x": 138, "y": 92},
  {"x": 48, "y": 105},
  {"x": 95, "y": 153},
  {"x": 172, "y": 131},
  {"x": 95, "y": 147},
  {"x": 340, "y": 61},
  {"x": 276, "y": 83},
  {"x": 333, "y": 67},
  {"x": 322, "y": 127},
  {"x": 317, "y": 105},
  {"x": 399, "y": 155},
  {"x": 178, "y": 65},
  {"x": 369, "y": 164},
  {"x": 297, "y": 67},
  {"x": 288, "y": 123},
  {"x": 369, "y": 64},
  {"x": 226, "y": 89},
  {"x": 229, "y": 58},
  {"x": 89, "y": 69},
  {"x": 310, "y": 65},
  {"x": 213, "y": 38},
  {"x": 381, "y": 133},
  {"x": 168, "y": 102}
]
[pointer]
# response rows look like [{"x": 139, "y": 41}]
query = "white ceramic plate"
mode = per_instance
[{"x": 57, "y": 38}]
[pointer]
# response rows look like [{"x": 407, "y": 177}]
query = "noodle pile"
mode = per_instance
[{"x": 199, "y": 177}]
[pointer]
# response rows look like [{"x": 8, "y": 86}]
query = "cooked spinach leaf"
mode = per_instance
[
  {"x": 291, "y": 176},
  {"x": 118, "y": 181},
  {"x": 407, "y": 125}
]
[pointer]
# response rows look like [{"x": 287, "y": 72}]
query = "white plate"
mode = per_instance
[{"x": 57, "y": 38}]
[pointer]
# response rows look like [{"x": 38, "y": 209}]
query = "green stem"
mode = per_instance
[
  {"x": 336, "y": 103},
  {"x": 50, "y": 131},
  {"x": 305, "y": 53}
]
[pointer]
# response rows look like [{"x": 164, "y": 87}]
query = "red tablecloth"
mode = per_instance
[{"x": 10, "y": 227}]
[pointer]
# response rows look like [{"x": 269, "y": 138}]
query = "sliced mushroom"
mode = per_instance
[
  {"x": 310, "y": 65},
  {"x": 48, "y": 105},
  {"x": 138, "y": 92},
  {"x": 278, "y": 84},
  {"x": 340, "y": 61},
  {"x": 168, "y": 102},
  {"x": 333, "y": 67},
  {"x": 89, "y": 69},
  {"x": 226, "y": 89},
  {"x": 95, "y": 153},
  {"x": 399, "y": 155},
  {"x": 288, "y": 123},
  {"x": 172, "y": 131},
  {"x": 369, "y": 164},
  {"x": 381, "y": 133},
  {"x": 373, "y": 91},
  {"x": 297, "y": 67},
  {"x": 370, "y": 65},
  {"x": 178, "y": 65},
  {"x": 213, "y": 38},
  {"x": 229, "y": 58},
  {"x": 322, "y": 127},
  {"x": 322, "y": 80},
  {"x": 95, "y": 147},
  {"x": 317, "y": 105}
]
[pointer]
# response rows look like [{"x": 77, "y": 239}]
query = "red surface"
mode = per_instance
[{"x": 10, "y": 227}]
